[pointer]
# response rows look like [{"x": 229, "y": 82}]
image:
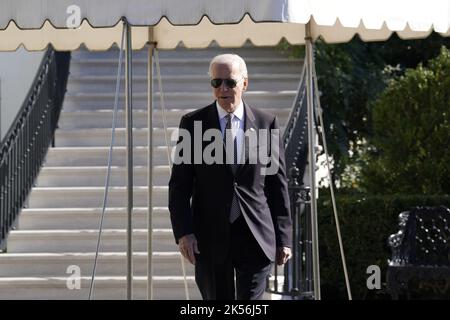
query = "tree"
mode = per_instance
[
  {"x": 350, "y": 77},
  {"x": 411, "y": 137}
]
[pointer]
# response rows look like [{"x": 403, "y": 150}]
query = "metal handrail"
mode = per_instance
[
  {"x": 297, "y": 282},
  {"x": 25, "y": 145}
]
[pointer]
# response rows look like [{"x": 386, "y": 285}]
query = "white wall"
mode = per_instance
[{"x": 17, "y": 72}]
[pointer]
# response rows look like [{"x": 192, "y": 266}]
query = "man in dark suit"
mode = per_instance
[{"x": 231, "y": 217}]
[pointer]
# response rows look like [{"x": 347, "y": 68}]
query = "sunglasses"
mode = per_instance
[{"x": 230, "y": 83}]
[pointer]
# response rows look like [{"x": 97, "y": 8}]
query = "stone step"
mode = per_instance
[
  {"x": 89, "y": 218},
  {"x": 99, "y": 137},
  {"x": 175, "y": 100},
  {"x": 108, "y": 264},
  {"x": 191, "y": 66},
  {"x": 181, "y": 52},
  {"x": 80, "y": 197},
  {"x": 55, "y": 288},
  {"x": 88, "y": 119},
  {"x": 96, "y": 176},
  {"x": 179, "y": 82},
  {"x": 112, "y": 240},
  {"x": 98, "y": 156},
  {"x": 59, "y": 227}
]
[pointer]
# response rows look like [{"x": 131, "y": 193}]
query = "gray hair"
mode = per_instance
[{"x": 232, "y": 59}]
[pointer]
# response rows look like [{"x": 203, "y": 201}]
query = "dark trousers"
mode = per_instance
[{"x": 246, "y": 258}]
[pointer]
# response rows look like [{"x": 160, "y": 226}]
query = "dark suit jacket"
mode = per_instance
[{"x": 200, "y": 194}]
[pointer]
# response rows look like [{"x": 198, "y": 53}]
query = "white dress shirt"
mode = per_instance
[{"x": 237, "y": 122}]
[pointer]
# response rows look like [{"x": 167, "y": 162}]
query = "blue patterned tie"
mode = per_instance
[{"x": 235, "y": 211}]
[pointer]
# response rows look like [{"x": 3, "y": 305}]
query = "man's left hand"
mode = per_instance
[{"x": 283, "y": 255}]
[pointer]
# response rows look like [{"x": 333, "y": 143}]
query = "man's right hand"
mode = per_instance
[{"x": 188, "y": 246}]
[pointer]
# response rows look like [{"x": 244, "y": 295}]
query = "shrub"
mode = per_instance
[
  {"x": 411, "y": 123},
  {"x": 366, "y": 223}
]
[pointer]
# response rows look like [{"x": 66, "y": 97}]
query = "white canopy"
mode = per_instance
[{"x": 66, "y": 24}]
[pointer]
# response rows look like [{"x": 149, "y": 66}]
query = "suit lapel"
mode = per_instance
[
  {"x": 249, "y": 125},
  {"x": 213, "y": 122},
  {"x": 213, "y": 118}
]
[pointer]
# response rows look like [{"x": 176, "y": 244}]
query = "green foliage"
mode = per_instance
[
  {"x": 291, "y": 51},
  {"x": 348, "y": 77},
  {"x": 365, "y": 223},
  {"x": 403, "y": 54},
  {"x": 411, "y": 122},
  {"x": 351, "y": 76},
  {"x": 400, "y": 147}
]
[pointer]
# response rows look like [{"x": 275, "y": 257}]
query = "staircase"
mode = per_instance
[{"x": 59, "y": 227}]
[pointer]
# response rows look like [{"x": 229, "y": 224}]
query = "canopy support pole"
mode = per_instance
[
  {"x": 151, "y": 49},
  {"x": 129, "y": 159},
  {"x": 312, "y": 159}
]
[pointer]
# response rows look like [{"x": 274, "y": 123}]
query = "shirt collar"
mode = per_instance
[{"x": 239, "y": 112}]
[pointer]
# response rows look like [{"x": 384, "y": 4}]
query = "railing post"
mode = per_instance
[
  {"x": 299, "y": 268},
  {"x": 129, "y": 157},
  {"x": 306, "y": 244},
  {"x": 312, "y": 159},
  {"x": 294, "y": 192}
]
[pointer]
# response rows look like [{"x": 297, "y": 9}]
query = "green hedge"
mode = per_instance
[
  {"x": 410, "y": 151},
  {"x": 366, "y": 223}
]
